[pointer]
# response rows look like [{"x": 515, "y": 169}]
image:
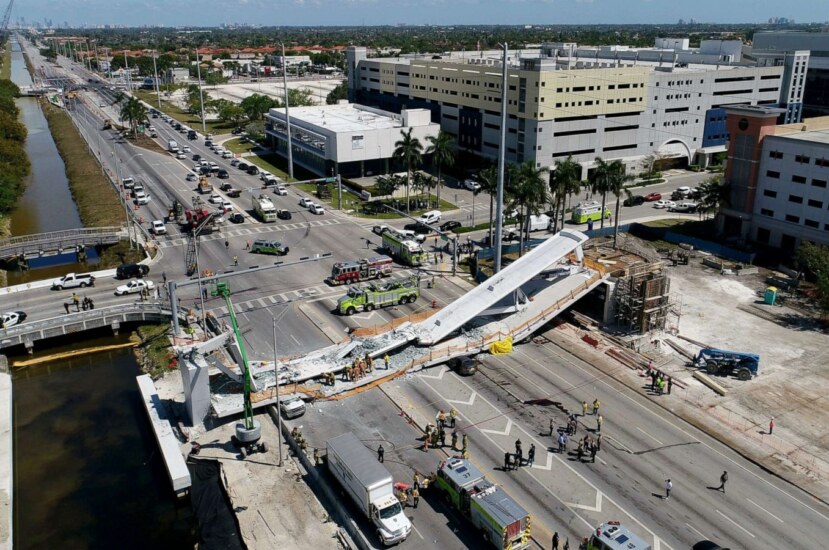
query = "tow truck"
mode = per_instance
[
  {"x": 354, "y": 271},
  {"x": 191, "y": 218},
  {"x": 205, "y": 186},
  {"x": 401, "y": 292}
]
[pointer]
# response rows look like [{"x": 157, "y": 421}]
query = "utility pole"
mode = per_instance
[
  {"x": 127, "y": 68},
  {"x": 276, "y": 384},
  {"x": 201, "y": 95},
  {"x": 155, "y": 74},
  {"x": 499, "y": 194},
  {"x": 287, "y": 115}
]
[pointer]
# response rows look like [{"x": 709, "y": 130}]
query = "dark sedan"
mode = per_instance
[
  {"x": 450, "y": 225},
  {"x": 465, "y": 366},
  {"x": 634, "y": 200}
]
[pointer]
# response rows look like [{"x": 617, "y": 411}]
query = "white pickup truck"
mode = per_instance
[{"x": 73, "y": 280}]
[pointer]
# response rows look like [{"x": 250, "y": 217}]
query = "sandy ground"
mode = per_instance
[
  {"x": 237, "y": 92},
  {"x": 724, "y": 311},
  {"x": 275, "y": 508}
]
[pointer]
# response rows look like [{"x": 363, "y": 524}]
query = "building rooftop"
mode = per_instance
[
  {"x": 346, "y": 117},
  {"x": 815, "y": 136}
]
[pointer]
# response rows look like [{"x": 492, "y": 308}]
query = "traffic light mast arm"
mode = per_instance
[{"x": 223, "y": 290}]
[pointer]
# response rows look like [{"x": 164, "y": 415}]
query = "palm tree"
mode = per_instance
[
  {"x": 441, "y": 147},
  {"x": 713, "y": 194},
  {"x": 617, "y": 179},
  {"x": 133, "y": 112},
  {"x": 409, "y": 151},
  {"x": 529, "y": 191},
  {"x": 566, "y": 181},
  {"x": 600, "y": 182}
]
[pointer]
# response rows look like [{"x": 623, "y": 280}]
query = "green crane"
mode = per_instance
[{"x": 249, "y": 430}]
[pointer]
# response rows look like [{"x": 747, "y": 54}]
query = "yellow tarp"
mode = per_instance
[{"x": 501, "y": 347}]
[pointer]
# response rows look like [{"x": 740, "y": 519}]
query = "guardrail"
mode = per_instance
[
  {"x": 111, "y": 316},
  {"x": 56, "y": 240}
]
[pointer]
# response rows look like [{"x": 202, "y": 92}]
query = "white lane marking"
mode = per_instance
[
  {"x": 649, "y": 435},
  {"x": 766, "y": 511},
  {"x": 597, "y": 507},
  {"x": 623, "y": 392},
  {"x": 295, "y": 340},
  {"x": 440, "y": 372},
  {"x": 468, "y": 402},
  {"x": 505, "y": 431},
  {"x": 619, "y": 443},
  {"x": 418, "y": 532},
  {"x": 736, "y": 524},
  {"x": 695, "y": 530},
  {"x": 548, "y": 466}
]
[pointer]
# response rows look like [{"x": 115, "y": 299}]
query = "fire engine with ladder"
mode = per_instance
[{"x": 363, "y": 269}]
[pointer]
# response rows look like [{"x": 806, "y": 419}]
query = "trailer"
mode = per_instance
[
  {"x": 502, "y": 521},
  {"x": 403, "y": 249},
  {"x": 404, "y": 291},
  {"x": 354, "y": 271}
]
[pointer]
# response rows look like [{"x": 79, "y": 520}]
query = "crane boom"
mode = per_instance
[{"x": 4, "y": 30}]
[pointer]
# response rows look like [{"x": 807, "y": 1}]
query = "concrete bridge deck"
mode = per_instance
[
  {"x": 112, "y": 316},
  {"x": 57, "y": 242}
]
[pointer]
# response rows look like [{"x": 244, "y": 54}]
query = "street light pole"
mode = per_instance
[
  {"x": 155, "y": 74},
  {"x": 201, "y": 95},
  {"x": 287, "y": 115},
  {"x": 276, "y": 384},
  {"x": 499, "y": 195}
]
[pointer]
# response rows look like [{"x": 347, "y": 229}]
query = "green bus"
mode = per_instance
[{"x": 590, "y": 210}]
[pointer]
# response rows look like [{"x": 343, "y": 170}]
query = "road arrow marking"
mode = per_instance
[
  {"x": 468, "y": 402},
  {"x": 596, "y": 508},
  {"x": 496, "y": 432},
  {"x": 548, "y": 466},
  {"x": 441, "y": 371}
]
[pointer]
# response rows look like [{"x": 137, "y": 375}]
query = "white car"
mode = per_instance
[
  {"x": 159, "y": 228},
  {"x": 219, "y": 150},
  {"x": 280, "y": 190},
  {"x": 216, "y": 198},
  {"x": 315, "y": 208},
  {"x": 193, "y": 177},
  {"x": 472, "y": 185},
  {"x": 664, "y": 204},
  {"x": 181, "y": 155},
  {"x": 11, "y": 318},
  {"x": 264, "y": 175},
  {"x": 135, "y": 285},
  {"x": 227, "y": 206},
  {"x": 305, "y": 203},
  {"x": 235, "y": 162},
  {"x": 185, "y": 149},
  {"x": 142, "y": 198},
  {"x": 684, "y": 191},
  {"x": 227, "y": 155}
]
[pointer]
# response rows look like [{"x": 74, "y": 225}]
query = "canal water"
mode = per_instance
[
  {"x": 87, "y": 472},
  {"x": 47, "y": 203}
]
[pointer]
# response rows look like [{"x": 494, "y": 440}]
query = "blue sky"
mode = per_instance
[{"x": 437, "y": 12}]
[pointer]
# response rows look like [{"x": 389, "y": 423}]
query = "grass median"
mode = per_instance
[
  {"x": 235, "y": 145},
  {"x": 191, "y": 120}
]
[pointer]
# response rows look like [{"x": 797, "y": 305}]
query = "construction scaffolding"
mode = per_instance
[{"x": 643, "y": 298}]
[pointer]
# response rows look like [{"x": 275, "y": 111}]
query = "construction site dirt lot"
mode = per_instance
[
  {"x": 273, "y": 505},
  {"x": 726, "y": 312}
]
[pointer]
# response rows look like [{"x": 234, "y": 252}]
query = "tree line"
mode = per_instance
[{"x": 14, "y": 163}]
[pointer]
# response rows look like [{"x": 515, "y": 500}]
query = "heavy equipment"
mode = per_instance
[
  {"x": 354, "y": 271},
  {"x": 404, "y": 291},
  {"x": 718, "y": 361}
]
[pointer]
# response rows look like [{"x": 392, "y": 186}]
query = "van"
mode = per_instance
[
  {"x": 292, "y": 407},
  {"x": 540, "y": 222},
  {"x": 590, "y": 210},
  {"x": 430, "y": 217},
  {"x": 127, "y": 182},
  {"x": 261, "y": 246}
]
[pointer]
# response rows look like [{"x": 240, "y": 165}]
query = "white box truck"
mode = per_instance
[
  {"x": 172, "y": 146},
  {"x": 370, "y": 486},
  {"x": 540, "y": 222}
]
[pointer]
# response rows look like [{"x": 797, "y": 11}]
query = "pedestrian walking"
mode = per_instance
[
  {"x": 381, "y": 453},
  {"x": 386, "y": 360},
  {"x": 519, "y": 452},
  {"x": 593, "y": 451},
  {"x": 247, "y": 245},
  {"x": 771, "y": 425},
  {"x": 599, "y": 442},
  {"x": 204, "y": 292},
  {"x": 66, "y": 307},
  {"x": 442, "y": 437},
  {"x": 552, "y": 426},
  {"x": 555, "y": 541},
  {"x": 723, "y": 480},
  {"x": 653, "y": 380},
  {"x": 507, "y": 461},
  {"x": 580, "y": 450},
  {"x": 77, "y": 301},
  {"x": 227, "y": 244},
  {"x": 670, "y": 384},
  {"x": 453, "y": 416},
  {"x": 567, "y": 543},
  {"x": 531, "y": 455},
  {"x": 403, "y": 497},
  {"x": 235, "y": 260},
  {"x": 599, "y": 420},
  {"x": 415, "y": 497},
  {"x": 596, "y": 405},
  {"x": 164, "y": 277},
  {"x": 562, "y": 443},
  {"x": 454, "y": 439},
  {"x": 668, "y": 487},
  {"x": 584, "y": 407},
  {"x": 441, "y": 418}
]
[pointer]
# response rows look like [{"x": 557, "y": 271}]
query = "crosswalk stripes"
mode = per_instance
[{"x": 245, "y": 231}]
